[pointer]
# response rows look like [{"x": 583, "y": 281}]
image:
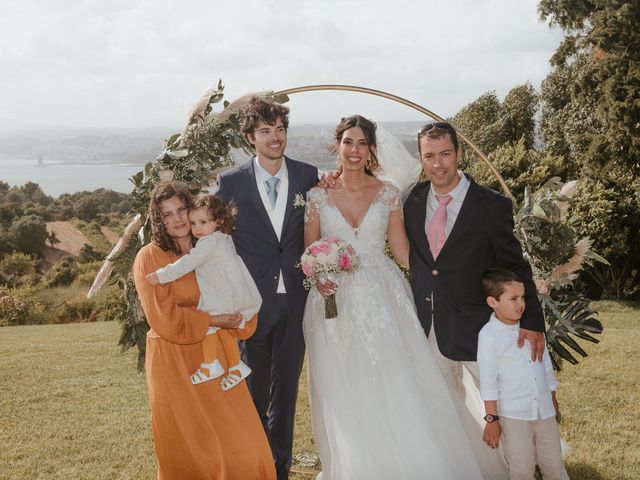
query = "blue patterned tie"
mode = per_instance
[{"x": 272, "y": 185}]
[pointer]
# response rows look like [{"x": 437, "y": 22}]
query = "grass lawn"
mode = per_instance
[{"x": 73, "y": 407}]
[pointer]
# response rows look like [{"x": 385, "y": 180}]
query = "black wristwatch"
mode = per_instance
[{"x": 490, "y": 418}]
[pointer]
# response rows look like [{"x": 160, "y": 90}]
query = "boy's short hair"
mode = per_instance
[{"x": 494, "y": 280}]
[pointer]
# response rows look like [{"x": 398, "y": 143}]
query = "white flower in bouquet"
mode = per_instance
[{"x": 324, "y": 258}]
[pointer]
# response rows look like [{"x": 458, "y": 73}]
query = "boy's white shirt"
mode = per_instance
[
  {"x": 521, "y": 386},
  {"x": 276, "y": 213}
]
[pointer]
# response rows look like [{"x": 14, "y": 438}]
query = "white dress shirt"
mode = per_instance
[
  {"x": 521, "y": 386},
  {"x": 276, "y": 213},
  {"x": 453, "y": 209}
]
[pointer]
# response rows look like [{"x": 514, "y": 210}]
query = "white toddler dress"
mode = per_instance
[{"x": 225, "y": 283}]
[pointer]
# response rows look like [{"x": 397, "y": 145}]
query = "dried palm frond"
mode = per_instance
[{"x": 105, "y": 271}]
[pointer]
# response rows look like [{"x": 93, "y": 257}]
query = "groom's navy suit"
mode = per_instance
[
  {"x": 275, "y": 352},
  {"x": 450, "y": 286}
]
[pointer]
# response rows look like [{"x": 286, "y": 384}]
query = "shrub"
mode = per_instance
[
  {"x": 19, "y": 306},
  {"x": 111, "y": 305},
  {"x": 76, "y": 310},
  {"x": 12, "y": 310},
  {"x": 62, "y": 273},
  {"x": 87, "y": 273},
  {"x": 89, "y": 254},
  {"x": 93, "y": 232},
  {"x": 17, "y": 269}
]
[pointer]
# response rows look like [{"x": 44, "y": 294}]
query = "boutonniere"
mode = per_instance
[{"x": 298, "y": 200}]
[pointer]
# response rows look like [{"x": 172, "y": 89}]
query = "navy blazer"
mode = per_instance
[
  {"x": 482, "y": 238},
  {"x": 257, "y": 243}
]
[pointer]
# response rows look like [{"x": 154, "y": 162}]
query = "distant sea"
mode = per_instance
[
  {"x": 58, "y": 178},
  {"x": 77, "y": 160}
]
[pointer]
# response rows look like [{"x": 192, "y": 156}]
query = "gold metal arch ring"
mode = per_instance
[{"x": 408, "y": 103}]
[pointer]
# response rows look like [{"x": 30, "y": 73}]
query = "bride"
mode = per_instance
[{"x": 380, "y": 406}]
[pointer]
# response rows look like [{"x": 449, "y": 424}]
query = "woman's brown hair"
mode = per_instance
[
  {"x": 219, "y": 211},
  {"x": 161, "y": 192},
  {"x": 369, "y": 130}
]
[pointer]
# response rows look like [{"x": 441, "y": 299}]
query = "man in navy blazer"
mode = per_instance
[
  {"x": 269, "y": 237},
  {"x": 478, "y": 235}
]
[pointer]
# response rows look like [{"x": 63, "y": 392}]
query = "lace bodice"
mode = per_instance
[{"x": 370, "y": 236}]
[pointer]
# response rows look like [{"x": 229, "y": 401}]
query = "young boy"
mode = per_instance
[{"x": 519, "y": 394}]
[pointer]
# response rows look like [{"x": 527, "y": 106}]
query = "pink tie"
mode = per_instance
[{"x": 435, "y": 230}]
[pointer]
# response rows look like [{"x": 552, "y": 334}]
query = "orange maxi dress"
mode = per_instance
[{"x": 199, "y": 431}]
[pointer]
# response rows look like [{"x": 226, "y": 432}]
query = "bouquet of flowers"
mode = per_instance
[{"x": 324, "y": 258}]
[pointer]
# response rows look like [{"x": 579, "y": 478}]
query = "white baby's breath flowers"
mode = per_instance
[{"x": 298, "y": 200}]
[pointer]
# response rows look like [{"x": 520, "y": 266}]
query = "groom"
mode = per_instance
[
  {"x": 269, "y": 237},
  {"x": 457, "y": 230}
]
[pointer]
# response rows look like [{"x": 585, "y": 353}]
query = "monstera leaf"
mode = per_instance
[{"x": 568, "y": 316}]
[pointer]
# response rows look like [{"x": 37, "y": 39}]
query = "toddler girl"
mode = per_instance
[{"x": 225, "y": 284}]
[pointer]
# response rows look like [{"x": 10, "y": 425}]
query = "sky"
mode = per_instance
[{"x": 137, "y": 64}]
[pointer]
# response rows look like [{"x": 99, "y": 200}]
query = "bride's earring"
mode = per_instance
[
  {"x": 369, "y": 163},
  {"x": 372, "y": 162}
]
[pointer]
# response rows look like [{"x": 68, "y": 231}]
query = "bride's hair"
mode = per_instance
[{"x": 369, "y": 131}]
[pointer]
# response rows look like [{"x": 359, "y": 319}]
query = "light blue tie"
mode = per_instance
[{"x": 272, "y": 185}]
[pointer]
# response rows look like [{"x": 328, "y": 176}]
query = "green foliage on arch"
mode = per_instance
[{"x": 194, "y": 156}]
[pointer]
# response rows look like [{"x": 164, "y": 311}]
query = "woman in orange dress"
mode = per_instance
[{"x": 199, "y": 431}]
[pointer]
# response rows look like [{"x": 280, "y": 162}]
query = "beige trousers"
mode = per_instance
[
  {"x": 464, "y": 384},
  {"x": 530, "y": 442}
]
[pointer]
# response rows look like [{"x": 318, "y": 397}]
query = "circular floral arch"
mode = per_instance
[
  {"x": 403, "y": 101},
  {"x": 206, "y": 145}
]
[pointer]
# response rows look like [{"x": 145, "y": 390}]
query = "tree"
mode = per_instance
[
  {"x": 590, "y": 115},
  {"x": 8, "y": 211},
  {"x": 605, "y": 32},
  {"x": 505, "y": 131},
  {"x": 29, "y": 234},
  {"x": 32, "y": 192},
  {"x": 520, "y": 167},
  {"x": 490, "y": 123},
  {"x": 52, "y": 239},
  {"x": 87, "y": 208},
  {"x": 479, "y": 121},
  {"x": 517, "y": 117}
]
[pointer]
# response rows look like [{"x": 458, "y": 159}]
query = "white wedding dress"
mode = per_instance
[{"x": 380, "y": 406}]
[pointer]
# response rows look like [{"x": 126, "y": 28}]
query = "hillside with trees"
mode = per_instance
[{"x": 50, "y": 251}]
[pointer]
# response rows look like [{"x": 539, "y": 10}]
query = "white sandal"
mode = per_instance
[
  {"x": 232, "y": 379},
  {"x": 214, "y": 368}
]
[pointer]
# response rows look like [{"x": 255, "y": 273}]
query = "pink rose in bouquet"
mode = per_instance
[{"x": 323, "y": 258}]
